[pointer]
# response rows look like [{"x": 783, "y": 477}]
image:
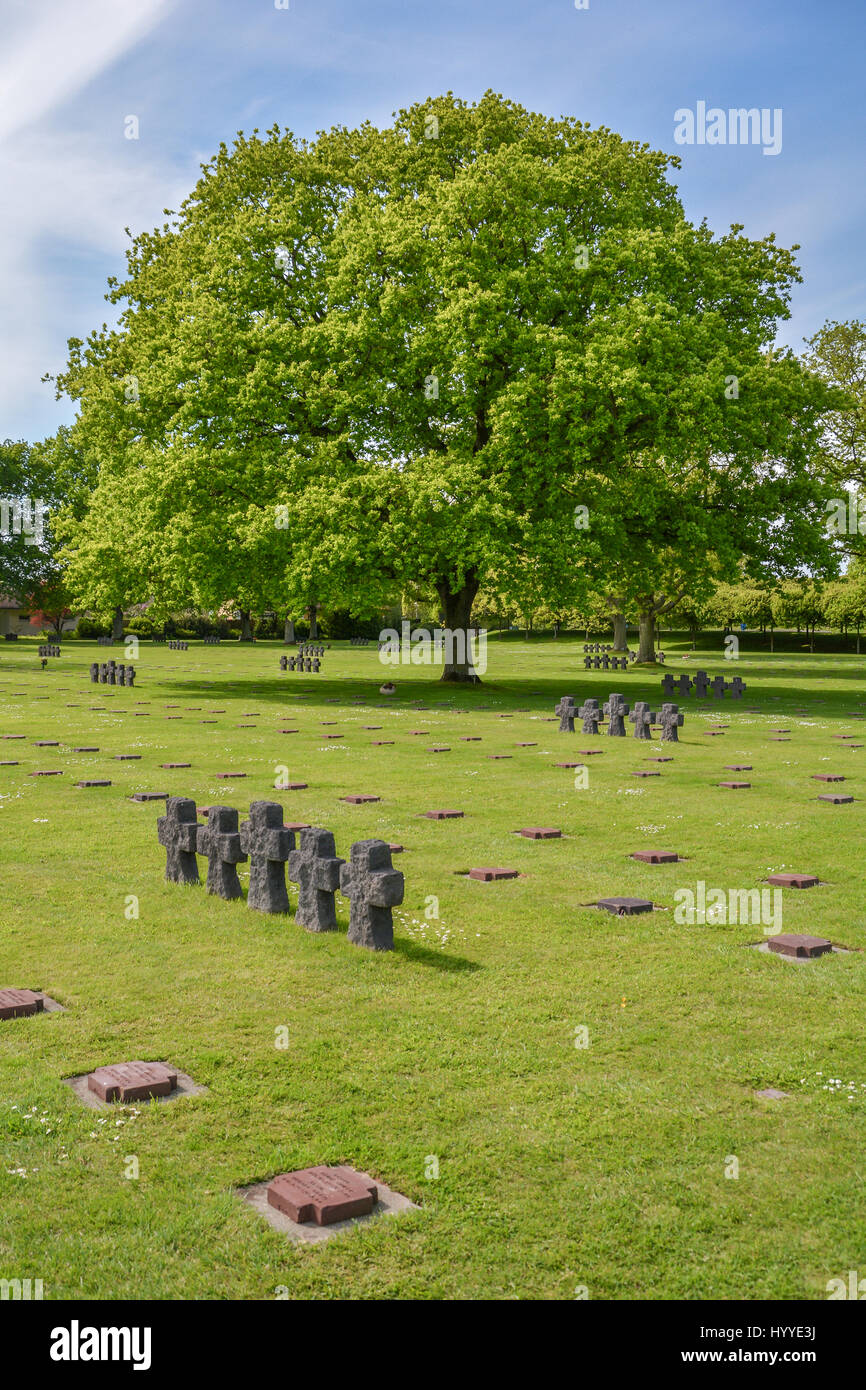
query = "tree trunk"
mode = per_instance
[
  {"x": 457, "y": 615},
  {"x": 246, "y": 626},
  {"x": 289, "y": 631},
  {"x": 117, "y": 625},
  {"x": 772, "y": 636},
  {"x": 646, "y": 629},
  {"x": 620, "y": 633},
  {"x": 314, "y": 626}
]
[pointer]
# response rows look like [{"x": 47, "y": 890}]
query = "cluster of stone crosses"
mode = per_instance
[
  {"x": 300, "y": 663},
  {"x": 615, "y": 711},
  {"x": 105, "y": 641},
  {"x": 359, "y": 641},
  {"x": 703, "y": 686},
  {"x": 310, "y": 649},
  {"x": 211, "y": 641},
  {"x": 175, "y": 646},
  {"x": 109, "y": 673},
  {"x": 369, "y": 880},
  {"x": 49, "y": 649}
]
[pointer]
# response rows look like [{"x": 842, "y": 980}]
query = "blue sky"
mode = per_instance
[{"x": 195, "y": 72}]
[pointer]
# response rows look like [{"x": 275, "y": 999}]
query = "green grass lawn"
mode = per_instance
[{"x": 558, "y": 1166}]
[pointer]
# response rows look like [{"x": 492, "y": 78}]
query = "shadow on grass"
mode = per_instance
[{"x": 438, "y": 960}]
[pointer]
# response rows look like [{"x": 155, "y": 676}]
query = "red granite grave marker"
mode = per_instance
[
  {"x": 382, "y": 743},
  {"x": 526, "y": 745},
  {"x": 439, "y": 748},
  {"x": 470, "y": 738},
  {"x": 322, "y": 1194},
  {"x": 229, "y": 775},
  {"x": 296, "y": 825},
  {"x": 175, "y": 764},
  {"x": 735, "y": 786},
  {"x": 826, "y": 777},
  {"x": 128, "y": 1081},
  {"x": 835, "y": 798},
  {"x": 8, "y": 763},
  {"x": 20, "y": 1003},
  {"x": 793, "y": 880},
  {"x": 802, "y": 947},
  {"x": 46, "y": 743},
  {"x": 489, "y": 875},
  {"x": 656, "y": 856},
  {"x": 590, "y": 752},
  {"x": 127, "y": 757},
  {"x": 645, "y": 774},
  {"x": 149, "y": 796},
  {"x": 444, "y": 815},
  {"x": 359, "y": 800},
  {"x": 93, "y": 783},
  {"x": 625, "y": 907},
  {"x": 85, "y": 750},
  {"x": 56, "y": 773},
  {"x": 738, "y": 767},
  {"x": 540, "y": 832},
  {"x": 568, "y": 764},
  {"x": 497, "y": 757}
]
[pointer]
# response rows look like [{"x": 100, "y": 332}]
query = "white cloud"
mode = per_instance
[{"x": 60, "y": 47}]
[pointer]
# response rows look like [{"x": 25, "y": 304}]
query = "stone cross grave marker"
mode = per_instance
[
  {"x": 177, "y": 831},
  {"x": 670, "y": 720},
  {"x": 315, "y": 868},
  {"x": 642, "y": 717},
  {"x": 565, "y": 710},
  {"x": 590, "y": 714},
  {"x": 616, "y": 710},
  {"x": 373, "y": 886},
  {"x": 267, "y": 842},
  {"x": 702, "y": 680},
  {"x": 220, "y": 842}
]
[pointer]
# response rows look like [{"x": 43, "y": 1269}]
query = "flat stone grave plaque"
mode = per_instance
[
  {"x": 127, "y": 757},
  {"x": 128, "y": 1081},
  {"x": 47, "y": 743},
  {"x": 488, "y": 875},
  {"x": 175, "y": 764},
  {"x": 540, "y": 832},
  {"x": 802, "y": 947},
  {"x": 735, "y": 786},
  {"x": 56, "y": 773},
  {"x": 793, "y": 880},
  {"x": 85, "y": 750},
  {"x": 443, "y": 815},
  {"x": 359, "y": 800},
  {"x": 8, "y": 763},
  {"x": 645, "y": 774},
  {"x": 322, "y": 1194},
  {"x": 568, "y": 764},
  {"x": 836, "y": 798},
  {"x": 94, "y": 782},
  {"x": 229, "y": 775},
  {"x": 20, "y": 1003},
  {"x": 738, "y": 767},
  {"x": 149, "y": 796},
  {"x": 826, "y": 777},
  {"x": 656, "y": 856},
  {"x": 625, "y": 907}
]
